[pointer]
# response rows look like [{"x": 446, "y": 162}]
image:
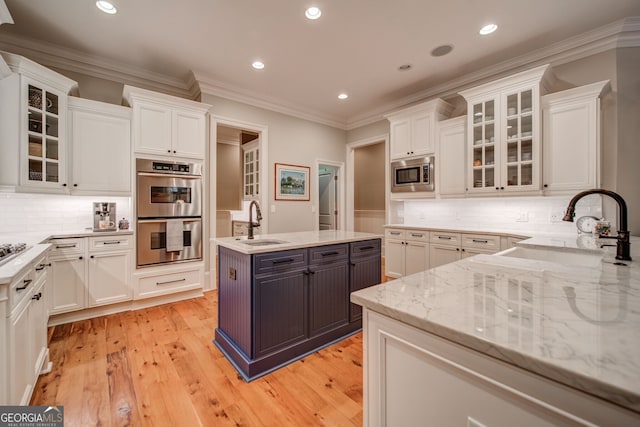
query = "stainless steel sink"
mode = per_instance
[{"x": 259, "y": 242}]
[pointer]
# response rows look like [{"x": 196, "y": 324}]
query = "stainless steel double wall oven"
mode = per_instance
[{"x": 169, "y": 209}]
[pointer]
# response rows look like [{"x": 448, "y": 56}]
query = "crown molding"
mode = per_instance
[
  {"x": 211, "y": 86},
  {"x": 52, "y": 55},
  {"x": 622, "y": 33}
]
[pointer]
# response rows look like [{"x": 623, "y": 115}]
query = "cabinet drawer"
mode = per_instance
[
  {"x": 109, "y": 243},
  {"x": 394, "y": 233},
  {"x": 416, "y": 235},
  {"x": 329, "y": 253},
  {"x": 366, "y": 248},
  {"x": 20, "y": 288},
  {"x": 279, "y": 261},
  {"x": 169, "y": 283},
  {"x": 445, "y": 238},
  {"x": 64, "y": 247},
  {"x": 480, "y": 241},
  {"x": 40, "y": 267}
]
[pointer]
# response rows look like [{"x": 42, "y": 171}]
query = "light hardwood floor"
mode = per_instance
[{"x": 159, "y": 367}]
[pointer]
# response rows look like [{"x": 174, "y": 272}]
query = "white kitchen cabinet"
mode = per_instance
[
  {"x": 166, "y": 125},
  {"x": 90, "y": 271},
  {"x": 412, "y": 376},
  {"x": 33, "y": 127},
  {"x": 100, "y": 136},
  {"x": 449, "y": 247},
  {"x": 450, "y": 157},
  {"x": 413, "y": 129},
  {"x": 571, "y": 131},
  {"x": 251, "y": 170},
  {"x": 503, "y": 133},
  {"x": 406, "y": 252},
  {"x": 168, "y": 280}
]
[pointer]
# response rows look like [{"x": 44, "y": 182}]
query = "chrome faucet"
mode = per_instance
[
  {"x": 258, "y": 217},
  {"x": 623, "y": 246}
]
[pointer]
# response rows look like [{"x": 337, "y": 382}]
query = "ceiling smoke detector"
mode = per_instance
[
  {"x": 442, "y": 50},
  {"x": 404, "y": 67}
]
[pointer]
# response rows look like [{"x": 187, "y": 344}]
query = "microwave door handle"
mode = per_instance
[{"x": 169, "y": 175}]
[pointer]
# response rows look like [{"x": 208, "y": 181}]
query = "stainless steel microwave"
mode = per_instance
[{"x": 412, "y": 175}]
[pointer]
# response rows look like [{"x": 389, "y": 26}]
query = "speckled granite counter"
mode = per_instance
[
  {"x": 577, "y": 325},
  {"x": 303, "y": 239}
]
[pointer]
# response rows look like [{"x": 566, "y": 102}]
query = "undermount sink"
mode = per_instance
[
  {"x": 260, "y": 242},
  {"x": 566, "y": 258}
]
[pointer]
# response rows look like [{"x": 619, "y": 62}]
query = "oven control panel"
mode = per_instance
[{"x": 172, "y": 167}]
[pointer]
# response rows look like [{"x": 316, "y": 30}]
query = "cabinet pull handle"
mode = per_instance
[
  {"x": 37, "y": 296},
  {"x": 309, "y": 271},
  {"x": 91, "y": 257},
  {"x": 458, "y": 249},
  {"x": 394, "y": 233},
  {"x": 330, "y": 253},
  {"x": 112, "y": 242},
  {"x": 42, "y": 266},
  {"x": 26, "y": 282},
  {"x": 417, "y": 235},
  {"x": 170, "y": 281},
  {"x": 480, "y": 241},
  {"x": 366, "y": 248},
  {"x": 282, "y": 261},
  {"x": 72, "y": 245},
  {"x": 444, "y": 237}
]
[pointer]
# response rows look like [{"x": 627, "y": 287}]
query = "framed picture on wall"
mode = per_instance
[{"x": 292, "y": 182}]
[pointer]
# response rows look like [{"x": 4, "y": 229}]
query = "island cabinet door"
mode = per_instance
[
  {"x": 328, "y": 275},
  {"x": 280, "y": 311},
  {"x": 365, "y": 270}
]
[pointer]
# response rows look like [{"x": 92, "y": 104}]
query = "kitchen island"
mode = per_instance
[
  {"x": 283, "y": 296},
  {"x": 544, "y": 334}
]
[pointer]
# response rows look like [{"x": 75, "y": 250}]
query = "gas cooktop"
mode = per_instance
[{"x": 9, "y": 250}]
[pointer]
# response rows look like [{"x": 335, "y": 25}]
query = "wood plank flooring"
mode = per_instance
[{"x": 159, "y": 367}]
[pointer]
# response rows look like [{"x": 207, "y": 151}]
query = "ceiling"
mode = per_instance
[{"x": 355, "y": 47}]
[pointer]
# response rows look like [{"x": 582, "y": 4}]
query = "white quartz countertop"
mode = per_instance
[
  {"x": 579, "y": 326},
  {"x": 36, "y": 241},
  {"x": 460, "y": 228},
  {"x": 297, "y": 240}
]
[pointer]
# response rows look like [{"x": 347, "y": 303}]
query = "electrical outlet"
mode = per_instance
[
  {"x": 556, "y": 216},
  {"x": 523, "y": 216}
]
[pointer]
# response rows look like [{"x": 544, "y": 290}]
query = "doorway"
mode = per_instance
[{"x": 327, "y": 197}]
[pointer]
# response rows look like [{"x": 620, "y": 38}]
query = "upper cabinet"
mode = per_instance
[
  {"x": 450, "y": 155},
  {"x": 166, "y": 125},
  {"x": 33, "y": 127},
  {"x": 503, "y": 133},
  {"x": 100, "y": 136},
  {"x": 251, "y": 170},
  {"x": 413, "y": 129},
  {"x": 572, "y": 131}
]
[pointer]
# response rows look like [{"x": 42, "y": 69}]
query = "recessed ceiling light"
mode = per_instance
[
  {"x": 106, "y": 7},
  {"x": 313, "y": 12},
  {"x": 488, "y": 29},
  {"x": 442, "y": 50},
  {"x": 343, "y": 96},
  {"x": 404, "y": 67},
  {"x": 258, "y": 65}
]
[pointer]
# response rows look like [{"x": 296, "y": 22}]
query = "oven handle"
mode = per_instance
[
  {"x": 169, "y": 175},
  {"x": 153, "y": 221}
]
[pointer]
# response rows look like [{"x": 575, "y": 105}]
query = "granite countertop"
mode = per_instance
[
  {"x": 36, "y": 241},
  {"x": 302, "y": 239},
  {"x": 575, "y": 324}
]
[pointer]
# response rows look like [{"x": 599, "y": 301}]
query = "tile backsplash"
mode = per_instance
[
  {"x": 56, "y": 213},
  {"x": 509, "y": 213}
]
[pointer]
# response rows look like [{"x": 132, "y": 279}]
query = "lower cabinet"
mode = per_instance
[
  {"x": 406, "y": 252},
  {"x": 90, "y": 272},
  {"x": 279, "y": 306}
]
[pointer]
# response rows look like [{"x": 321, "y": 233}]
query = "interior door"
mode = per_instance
[{"x": 327, "y": 185}]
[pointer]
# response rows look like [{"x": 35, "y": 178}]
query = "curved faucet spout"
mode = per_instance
[
  {"x": 258, "y": 217},
  {"x": 623, "y": 245}
]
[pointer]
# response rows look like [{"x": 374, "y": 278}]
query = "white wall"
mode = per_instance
[
  {"x": 20, "y": 212},
  {"x": 292, "y": 141}
]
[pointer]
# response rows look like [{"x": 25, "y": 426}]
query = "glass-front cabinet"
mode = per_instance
[
  {"x": 251, "y": 170},
  {"x": 504, "y": 132}
]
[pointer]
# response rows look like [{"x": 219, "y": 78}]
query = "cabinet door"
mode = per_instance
[
  {"x": 328, "y": 297},
  {"x": 519, "y": 153},
  {"x": 400, "y": 138},
  {"x": 364, "y": 273},
  {"x": 394, "y": 258},
  {"x": 442, "y": 254},
  {"x": 280, "y": 311},
  {"x": 152, "y": 129},
  {"x": 101, "y": 152},
  {"x": 422, "y": 134},
  {"x": 109, "y": 278},
  {"x": 38, "y": 318},
  {"x": 21, "y": 358},
  {"x": 451, "y": 157},
  {"x": 188, "y": 134},
  {"x": 67, "y": 284},
  {"x": 44, "y": 152},
  {"x": 484, "y": 146},
  {"x": 416, "y": 257}
]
